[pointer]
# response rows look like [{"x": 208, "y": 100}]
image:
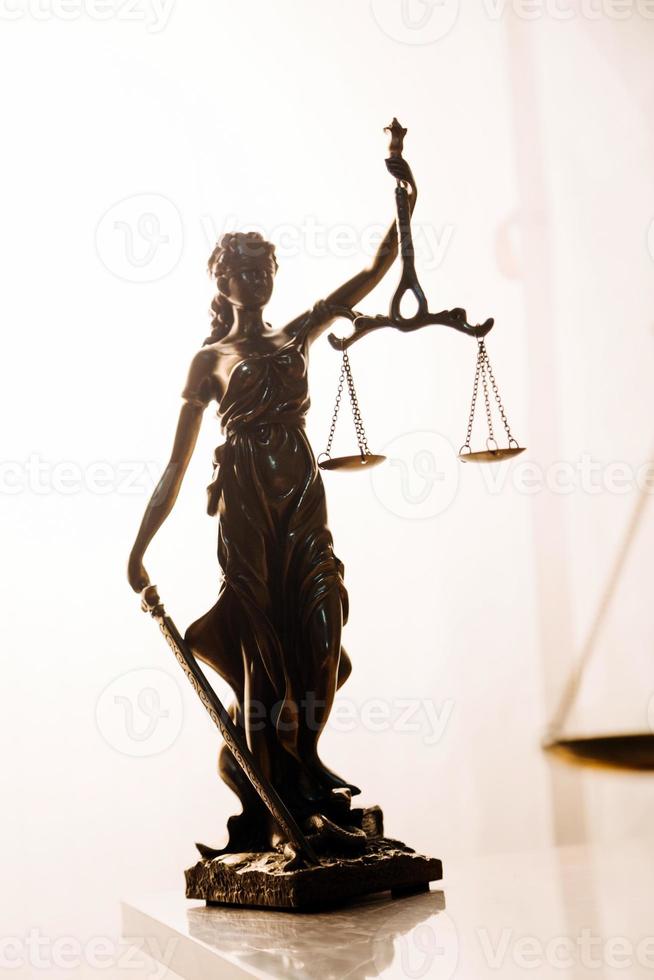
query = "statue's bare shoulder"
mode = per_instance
[{"x": 203, "y": 383}]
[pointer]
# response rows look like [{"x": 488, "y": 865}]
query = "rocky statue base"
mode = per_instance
[{"x": 348, "y": 869}]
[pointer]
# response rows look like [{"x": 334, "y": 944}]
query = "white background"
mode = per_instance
[{"x": 133, "y": 136}]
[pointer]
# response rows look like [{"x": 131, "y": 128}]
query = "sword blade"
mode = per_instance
[{"x": 221, "y": 718}]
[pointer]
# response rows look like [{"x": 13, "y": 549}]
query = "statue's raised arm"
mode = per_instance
[{"x": 342, "y": 301}]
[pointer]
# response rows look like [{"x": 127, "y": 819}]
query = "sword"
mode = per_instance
[{"x": 150, "y": 602}]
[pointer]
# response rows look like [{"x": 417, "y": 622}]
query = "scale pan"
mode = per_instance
[
  {"x": 491, "y": 455},
  {"x": 633, "y": 752},
  {"x": 357, "y": 462}
]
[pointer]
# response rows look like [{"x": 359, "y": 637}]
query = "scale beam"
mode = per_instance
[{"x": 364, "y": 324}]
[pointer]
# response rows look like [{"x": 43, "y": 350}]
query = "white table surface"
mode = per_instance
[{"x": 568, "y": 913}]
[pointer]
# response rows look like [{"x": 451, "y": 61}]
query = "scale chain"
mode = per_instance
[
  {"x": 346, "y": 375},
  {"x": 473, "y": 403},
  {"x": 358, "y": 421},
  {"x": 496, "y": 392},
  {"x": 489, "y": 418},
  {"x": 339, "y": 395},
  {"x": 484, "y": 371}
]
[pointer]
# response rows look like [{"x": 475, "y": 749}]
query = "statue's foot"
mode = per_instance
[
  {"x": 207, "y": 853},
  {"x": 326, "y": 780},
  {"x": 327, "y": 836},
  {"x": 247, "y": 832}
]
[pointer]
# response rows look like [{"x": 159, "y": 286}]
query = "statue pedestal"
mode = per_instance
[
  {"x": 264, "y": 880},
  {"x": 352, "y": 865}
]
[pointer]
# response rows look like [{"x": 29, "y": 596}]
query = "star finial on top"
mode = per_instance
[{"x": 398, "y": 132}]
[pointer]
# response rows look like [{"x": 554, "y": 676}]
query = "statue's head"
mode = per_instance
[{"x": 244, "y": 266}]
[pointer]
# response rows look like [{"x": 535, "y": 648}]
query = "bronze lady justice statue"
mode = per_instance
[{"x": 275, "y": 632}]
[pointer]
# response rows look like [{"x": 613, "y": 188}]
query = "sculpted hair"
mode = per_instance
[{"x": 234, "y": 251}]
